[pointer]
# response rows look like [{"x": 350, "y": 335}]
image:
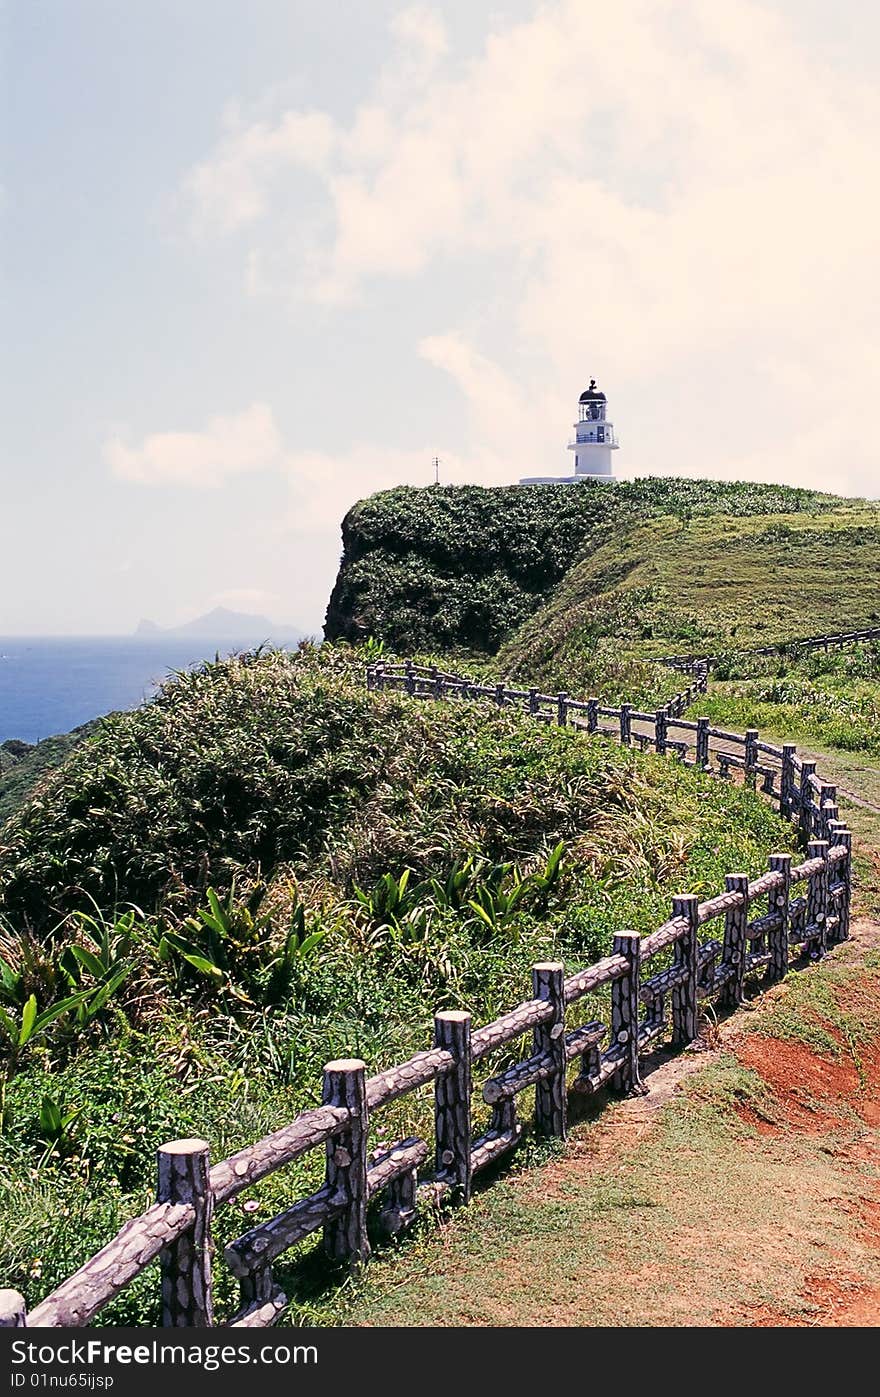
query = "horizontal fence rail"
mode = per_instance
[
  {"x": 424, "y": 681},
  {"x": 690, "y": 664},
  {"x": 603, "y": 1019}
]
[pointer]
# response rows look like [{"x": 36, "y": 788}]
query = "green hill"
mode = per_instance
[
  {"x": 704, "y": 585},
  {"x": 460, "y": 567},
  {"x": 267, "y": 866}
]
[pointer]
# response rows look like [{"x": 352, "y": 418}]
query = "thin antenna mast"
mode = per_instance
[{"x": 436, "y": 464}]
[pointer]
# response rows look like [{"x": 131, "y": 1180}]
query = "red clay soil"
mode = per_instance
[
  {"x": 815, "y": 1094},
  {"x": 839, "y": 1305},
  {"x": 808, "y": 1089}
]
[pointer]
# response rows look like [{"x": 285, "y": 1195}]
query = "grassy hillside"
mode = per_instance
[
  {"x": 832, "y": 700},
  {"x": 316, "y": 870},
  {"x": 461, "y": 567},
  {"x": 707, "y": 584},
  {"x": 24, "y": 764}
]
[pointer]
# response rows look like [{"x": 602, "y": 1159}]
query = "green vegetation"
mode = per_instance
[
  {"x": 832, "y": 699},
  {"x": 706, "y": 586},
  {"x": 461, "y": 567},
  {"x": 23, "y": 764},
  {"x": 267, "y": 867},
  {"x": 577, "y": 589}
]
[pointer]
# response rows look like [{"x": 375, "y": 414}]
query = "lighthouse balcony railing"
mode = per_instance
[{"x": 609, "y": 439}]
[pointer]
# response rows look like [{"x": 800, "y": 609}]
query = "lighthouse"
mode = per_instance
[{"x": 593, "y": 443}]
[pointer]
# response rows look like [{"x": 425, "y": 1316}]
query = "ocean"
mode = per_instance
[{"x": 51, "y": 684}]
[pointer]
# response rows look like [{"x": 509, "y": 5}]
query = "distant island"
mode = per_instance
[{"x": 223, "y": 624}]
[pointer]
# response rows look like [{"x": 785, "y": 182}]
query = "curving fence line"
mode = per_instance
[
  {"x": 602, "y": 1019},
  {"x": 837, "y": 640}
]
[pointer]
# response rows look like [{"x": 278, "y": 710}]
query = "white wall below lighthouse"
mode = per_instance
[{"x": 593, "y": 460}]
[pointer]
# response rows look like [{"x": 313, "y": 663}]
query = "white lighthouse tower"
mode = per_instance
[
  {"x": 593, "y": 444},
  {"x": 594, "y": 437}
]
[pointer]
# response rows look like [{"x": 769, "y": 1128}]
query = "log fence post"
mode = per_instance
[
  {"x": 702, "y": 743},
  {"x": 828, "y": 809},
  {"x": 660, "y": 730},
  {"x": 400, "y": 1205},
  {"x": 808, "y": 769},
  {"x": 625, "y": 724},
  {"x": 561, "y": 709},
  {"x": 684, "y": 996},
  {"x": 185, "y": 1265},
  {"x": 831, "y": 821},
  {"x": 777, "y": 901},
  {"x": 817, "y": 894},
  {"x": 844, "y": 837},
  {"x": 409, "y": 678},
  {"x": 750, "y": 757},
  {"x": 592, "y": 714},
  {"x": 625, "y": 1010},
  {"x": 345, "y": 1236},
  {"x": 736, "y": 921},
  {"x": 786, "y": 780},
  {"x": 452, "y": 1103},
  {"x": 534, "y": 706},
  {"x": 13, "y": 1314},
  {"x": 548, "y": 982}
]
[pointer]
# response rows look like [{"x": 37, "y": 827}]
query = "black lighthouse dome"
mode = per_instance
[{"x": 592, "y": 394}]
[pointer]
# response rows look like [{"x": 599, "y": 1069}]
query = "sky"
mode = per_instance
[{"x": 261, "y": 258}]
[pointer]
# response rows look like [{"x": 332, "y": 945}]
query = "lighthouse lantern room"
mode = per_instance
[{"x": 593, "y": 443}]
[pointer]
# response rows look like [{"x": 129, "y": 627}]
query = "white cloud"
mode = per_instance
[
  {"x": 682, "y": 198},
  {"x": 232, "y": 189},
  {"x": 323, "y": 486},
  {"x": 248, "y": 441},
  {"x": 422, "y": 30}
]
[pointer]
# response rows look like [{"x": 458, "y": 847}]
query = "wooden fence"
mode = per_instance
[
  {"x": 688, "y": 664},
  {"x": 422, "y": 681},
  {"x": 602, "y": 1018}
]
